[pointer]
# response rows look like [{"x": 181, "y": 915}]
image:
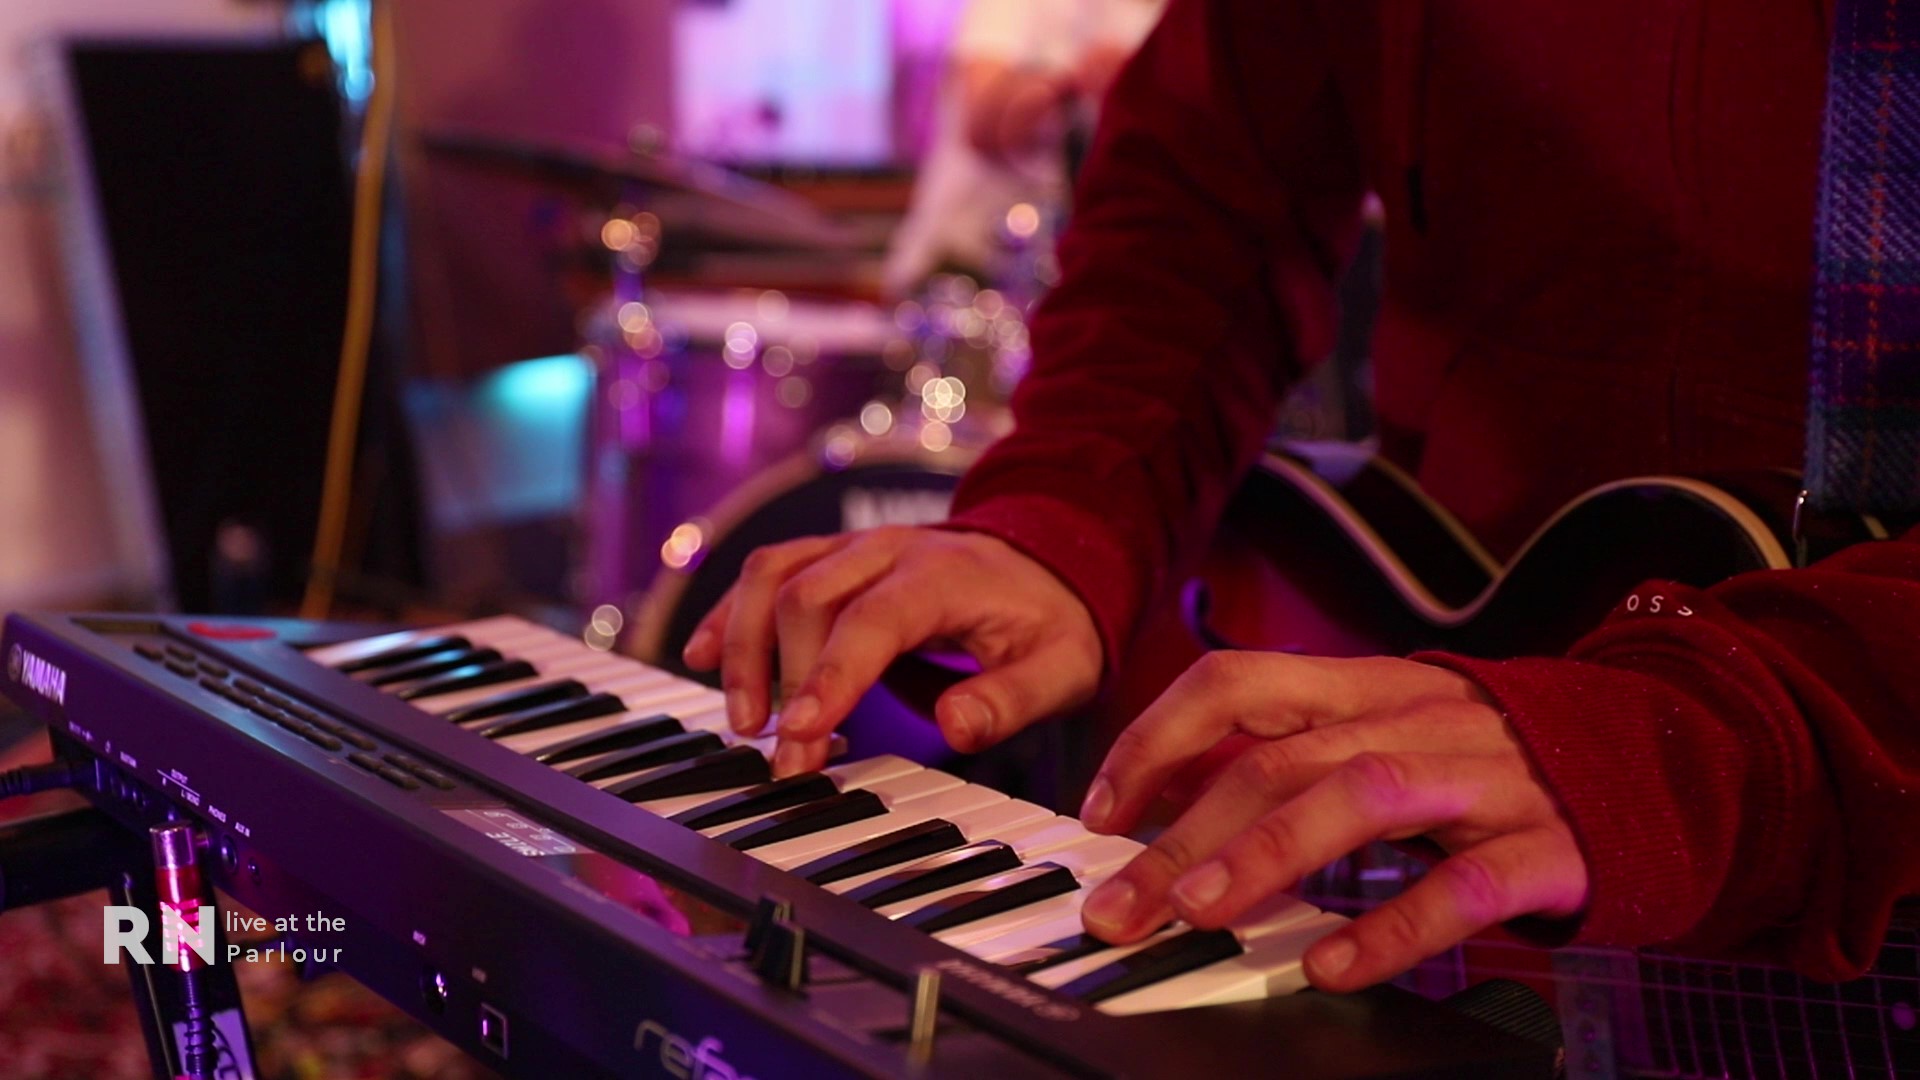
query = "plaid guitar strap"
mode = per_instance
[{"x": 1863, "y": 421}]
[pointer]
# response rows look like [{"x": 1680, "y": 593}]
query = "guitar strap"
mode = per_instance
[{"x": 1863, "y": 422}]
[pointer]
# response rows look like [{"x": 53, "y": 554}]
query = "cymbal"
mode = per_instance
[{"x": 727, "y": 203}]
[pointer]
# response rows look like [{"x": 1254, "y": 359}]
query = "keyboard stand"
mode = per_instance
[{"x": 71, "y": 853}]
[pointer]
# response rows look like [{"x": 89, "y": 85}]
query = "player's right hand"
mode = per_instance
[{"x": 816, "y": 621}]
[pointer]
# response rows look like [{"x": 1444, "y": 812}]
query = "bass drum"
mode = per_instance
[{"x": 846, "y": 481}]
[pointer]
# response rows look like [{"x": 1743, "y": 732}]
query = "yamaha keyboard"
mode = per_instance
[{"x": 564, "y": 862}]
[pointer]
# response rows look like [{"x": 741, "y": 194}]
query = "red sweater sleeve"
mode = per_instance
[
  {"x": 1741, "y": 764},
  {"x": 1197, "y": 270}
]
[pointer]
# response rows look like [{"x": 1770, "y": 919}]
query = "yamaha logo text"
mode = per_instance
[{"x": 37, "y": 675}]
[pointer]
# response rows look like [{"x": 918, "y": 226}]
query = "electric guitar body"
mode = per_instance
[{"x": 1330, "y": 551}]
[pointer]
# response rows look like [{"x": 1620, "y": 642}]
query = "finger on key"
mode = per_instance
[
  {"x": 1522, "y": 873},
  {"x": 806, "y": 606},
  {"x": 1373, "y": 796},
  {"x": 746, "y": 652},
  {"x": 702, "y": 651},
  {"x": 1264, "y": 694},
  {"x": 894, "y": 616},
  {"x": 997, "y": 704}
]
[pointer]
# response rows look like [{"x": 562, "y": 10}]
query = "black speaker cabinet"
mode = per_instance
[{"x": 220, "y": 186}]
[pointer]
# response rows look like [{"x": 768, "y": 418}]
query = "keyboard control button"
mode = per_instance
[
  {"x": 321, "y": 739},
  {"x": 341, "y": 731},
  {"x": 397, "y": 778},
  {"x": 420, "y": 770}
]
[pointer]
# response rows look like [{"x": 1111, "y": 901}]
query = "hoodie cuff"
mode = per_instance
[{"x": 1640, "y": 786}]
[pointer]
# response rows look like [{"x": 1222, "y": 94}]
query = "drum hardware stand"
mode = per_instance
[
  {"x": 632, "y": 237},
  {"x": 74, "y": 852}
]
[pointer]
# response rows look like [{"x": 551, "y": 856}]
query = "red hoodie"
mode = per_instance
[{"x": 1599, "y": 255}]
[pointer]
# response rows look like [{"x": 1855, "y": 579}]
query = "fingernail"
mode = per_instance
[
  {"x": 737, "y": 703},
  {"x": 798, "y": 717},
  {"x": 1331, "y": 958},
  {"x": 1099, "y": 805},
  {"x": 697, "y": 645},
  {"x": 787, "y": 758},
  {"x": 1109, "y": 907},
  {"x": 970, "y": 721},
  {"x": 1202, "y": 888}
]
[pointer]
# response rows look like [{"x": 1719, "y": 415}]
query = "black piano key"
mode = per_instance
[
  {"x": 472, "y": 677},
  {"x": 527, "y": 697},
  {"x": 605, "y": 741},
  {"x": 899, "y": 846},
  {"x": 1028, "y": 885},
  {"x": 1055, "y": 953},
  {"x": 665, "y": 751},
  {"x": 736, "y": 766},
  {"x": 401, "y": 654},
  {"x": 1190, "y": 951},
  {"x": 841, "y": 809},
  {"x": 553, "y": 715},
  {"x": 437, "y": 664},
  {"x": 765, "y": 799},
  {"x": 940, "y": 872}
]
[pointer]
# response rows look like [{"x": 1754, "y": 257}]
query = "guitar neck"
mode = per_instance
[{"x": 1653, "y": 1014}]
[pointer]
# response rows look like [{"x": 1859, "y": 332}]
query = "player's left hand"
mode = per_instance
[{"x": 1347, "y": 752}]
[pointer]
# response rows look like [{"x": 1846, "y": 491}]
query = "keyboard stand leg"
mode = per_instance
[{"x": 158, "y": 998}]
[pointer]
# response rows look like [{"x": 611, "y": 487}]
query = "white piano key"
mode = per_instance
[
  {"x": 945, "y": 804},
  {"x": 1097, "y": 856},
  {"x": 1270, "y": 967},
  {"x": 1001, "y": 821},
  {"x": 1016, "y": 924},
  {"x": 853, "y": 775},
  {"x": 837, "y": 747},
  {"x": 989, "y": 884},
  {"x": 581, "y": 669},
  {"x": 908, "y": 786},
  {"x": 1018, "y": 935},
  {"x": 639, "y": 686},
  {"x": 1061, "y": 974},
  {"x": 1007, "y": 821},
  {"x": 532, "y": 742},
  {"x": 623, "y": 777},
  {"x": 541, "y": 650},
  {"x": 996, "y": 939},
  {"x": 1040, "y": 838},
  {"x": 1094, "y": 858},
  {"x": 627, "y": 672},
  {"x": 500, "y": 628},
  {"x": 849, "y": 776},
  {"x": 712, "y": 718},
  {"x": 348, "y": 651},
  {"x": 680, "y": 803},
  {"x": 666, "y": 698},
  {"x": 895, "y": 791}
]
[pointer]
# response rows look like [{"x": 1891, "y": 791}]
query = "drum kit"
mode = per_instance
[{"x": 726, "y": 419}]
